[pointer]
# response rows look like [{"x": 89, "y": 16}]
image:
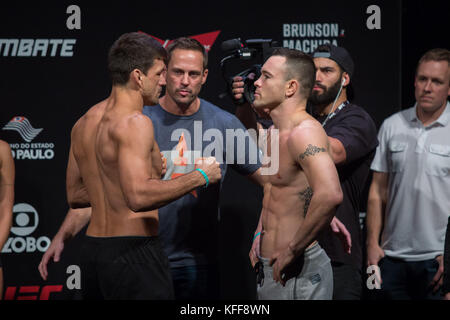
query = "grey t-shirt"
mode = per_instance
[
  {"x": 417, "y": 159},
  {"x": 188, "y": 227}
]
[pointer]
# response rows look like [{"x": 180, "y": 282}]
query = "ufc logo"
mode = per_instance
[{"x": 31, "y": 292}]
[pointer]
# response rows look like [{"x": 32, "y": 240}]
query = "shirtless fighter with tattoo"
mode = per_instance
[{"x": 300, "y": 200}]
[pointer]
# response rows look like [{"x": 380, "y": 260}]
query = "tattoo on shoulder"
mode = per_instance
[
  {"x": 306, "y": 196},
  {"x": 311, "y": 151}
]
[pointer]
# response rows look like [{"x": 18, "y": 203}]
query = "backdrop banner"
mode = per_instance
[{"x": 53, "y": 69}]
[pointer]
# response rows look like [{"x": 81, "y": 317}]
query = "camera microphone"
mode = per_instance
[
  {"x": 233, "y": 44},
  {"x": 257, "y": 50}
]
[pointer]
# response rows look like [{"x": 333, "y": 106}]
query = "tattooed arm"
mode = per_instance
[{"x": 309, "y": 145}]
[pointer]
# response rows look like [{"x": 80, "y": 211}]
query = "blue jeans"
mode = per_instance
[
  {"x": 402, "y": 280},
  {"x": 199, "y": 282}
]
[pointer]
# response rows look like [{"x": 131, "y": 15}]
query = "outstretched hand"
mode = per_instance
[
  {"x": 54, "y": 251},
  {"x": 342, "y": 233}
]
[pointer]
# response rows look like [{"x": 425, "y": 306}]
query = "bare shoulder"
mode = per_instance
[
  {"x": 4, "y": 147},
  {"x": 133, "y": 126},
  {"x": 307, "y": 139},
  {"x": 135, "y": 121},
  {"x": 308, "y": 123},
  {"x": 307, "y": 130},
  {"x": 5, "y": 152},
  {"x": 94, "y": 114},
  {"x": 97, "y": 110}
]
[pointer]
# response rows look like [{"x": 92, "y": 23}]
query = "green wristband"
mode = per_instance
[
  {"x": 256, "y": 236},
  {"x": 204, "y": 176}
]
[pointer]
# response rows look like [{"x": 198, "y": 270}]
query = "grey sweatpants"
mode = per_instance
[{"x": 314, "y": 280}]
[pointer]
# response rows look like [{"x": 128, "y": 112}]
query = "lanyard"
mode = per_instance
[{"x": 331, "y": 115}]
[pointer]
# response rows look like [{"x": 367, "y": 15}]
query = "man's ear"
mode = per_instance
[
  {"x": 345, "y": 79},
  {"x": 204, "y": 76},
  {"x": 292, "y": 86},
  {"x": 136, "y": 76}
]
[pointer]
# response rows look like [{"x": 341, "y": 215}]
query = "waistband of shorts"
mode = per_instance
[
  {"x": 124, "y": 241},
  {"x": 313, "y": 250},
  {"x": 310, "y": 253}
]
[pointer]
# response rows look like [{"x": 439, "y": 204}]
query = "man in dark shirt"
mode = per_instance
[{"x": 353, "y": 138}]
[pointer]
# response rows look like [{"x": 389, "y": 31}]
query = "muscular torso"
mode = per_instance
[
  {"x": 96, "y": 153},
  {"x": 286, "y": 199}
]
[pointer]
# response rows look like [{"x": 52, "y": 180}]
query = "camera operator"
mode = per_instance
[{"x": 353, "y": 139}]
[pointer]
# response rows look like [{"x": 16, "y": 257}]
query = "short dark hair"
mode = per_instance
[
  {"x": 299, "y": 66},
  {"x": 436, "y": 54},
  {"x": 131, "y": 51},
  {"x": 186, "y": 43}
]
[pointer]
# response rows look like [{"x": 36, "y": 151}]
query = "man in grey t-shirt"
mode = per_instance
[
  {"x": 409, "y": 197},
  {"x": 186, "y": 129}
]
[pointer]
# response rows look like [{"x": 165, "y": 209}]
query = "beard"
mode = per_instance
[{"x": 328, "y": 95}]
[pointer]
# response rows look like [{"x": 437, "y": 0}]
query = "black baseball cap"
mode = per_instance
[{"x": 339, "y": 55}]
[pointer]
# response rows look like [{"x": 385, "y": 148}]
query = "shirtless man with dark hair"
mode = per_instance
[
  {"x": 300, "y": 200},
  {"x": 115, "y": 167}
]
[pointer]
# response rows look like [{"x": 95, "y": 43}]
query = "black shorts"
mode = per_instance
[
  {"x": 133, "y": 268},
  {"x": 0, "y": 260}
]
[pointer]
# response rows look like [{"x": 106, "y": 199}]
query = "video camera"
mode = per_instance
[{"x": 258, "y": 50}]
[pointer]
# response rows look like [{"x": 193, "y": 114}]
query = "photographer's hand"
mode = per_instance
[
  {"x": 244, "y": 111},
  {"x": 238, "y": 89}
]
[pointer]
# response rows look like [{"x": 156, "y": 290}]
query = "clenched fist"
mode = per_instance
[{"x": 211, "y": 167}]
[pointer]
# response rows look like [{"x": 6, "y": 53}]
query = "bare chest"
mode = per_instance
[{"x": 289, "y": 171}]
